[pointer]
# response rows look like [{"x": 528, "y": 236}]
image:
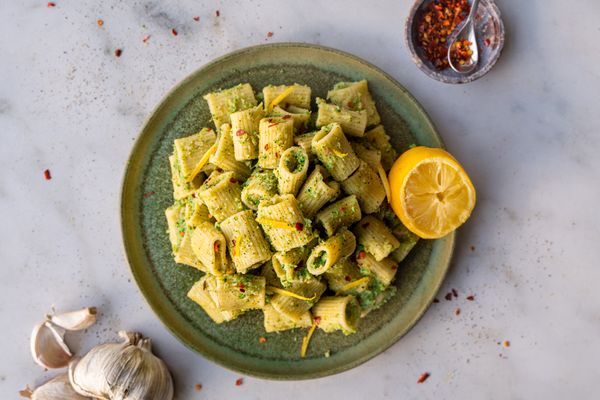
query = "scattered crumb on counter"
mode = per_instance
[
  {"x": 423, "y": 377},
  {"x": 239, "y": 382}
]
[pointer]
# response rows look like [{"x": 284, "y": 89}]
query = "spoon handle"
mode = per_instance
[{"x": 473, "y": 12}]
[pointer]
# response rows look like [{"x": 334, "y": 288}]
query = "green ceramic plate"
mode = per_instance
[{"x": 147, "y": 192}]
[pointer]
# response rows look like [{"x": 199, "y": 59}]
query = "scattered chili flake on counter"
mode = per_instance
[
  {"x": 423, "y": 377},
  {"x": 146, "y": 38},
  {"x": 457, "y": 312},
  {"x": 454, "y": 293},
  {"x": 239, "y": 382},
  {"x": 118, "y": 52},
  {"x": 174, "y": 32},
  {"x": 196, "y": 18},
  {"x": 448, "y": 296},
  {"x": 269, "y": 34},
  {"x": 262, "y": 340},
  {"x": 436, "y": 301},
  {"x": 47, "y": 175},
  {"x": 470, "y": 297},
  {"x": 472, "y": 248},
  {"x": 198, "y": 387},
  {"x": 51, "y": 4},
  {"x": 218, "y": 13},
  {"x": 506, "y": 344},
  {"x": 100, "y": 22},
  {"x": 438, "y": 21}
]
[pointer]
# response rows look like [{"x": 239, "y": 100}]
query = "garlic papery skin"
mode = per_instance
[
  {"x": 75, "y": 320},
  {"x": 48, "y": 346},
  {"x": 122, "y": 371},
  {"x": 58, "y": 388}
]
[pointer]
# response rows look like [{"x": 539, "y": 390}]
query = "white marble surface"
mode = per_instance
[{"x": 530, "y": 141}]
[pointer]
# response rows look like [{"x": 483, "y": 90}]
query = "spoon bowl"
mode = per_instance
[{"x": 465, "y": 33}]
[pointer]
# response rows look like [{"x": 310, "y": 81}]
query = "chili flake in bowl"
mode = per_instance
[{"x": 430, "y": 26}]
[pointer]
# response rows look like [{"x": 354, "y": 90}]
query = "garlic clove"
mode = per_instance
[
  {"x": 48, "y": 346},
  {"x": 58, "y": 388},
  {"x": 75, "y": 320}
]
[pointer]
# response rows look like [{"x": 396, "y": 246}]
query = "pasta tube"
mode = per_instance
[
  {"x": 224, "y": 156},
  {"x": 275, "y": 136},
  {"x": 353, "y": 122},
  {"x": 375, "y": 237},
  {"x": 260, "y": 186},
  {"x": 333, "y": 150},
  {"x": 342, "y": 213},
  {"x": 244, "y": 128},
  {"x": 247, "y": 246},
  {"x": 291, "y": 173},
  {"x": 317, "y": 191},
  {"x": 366, "y": 185},
  {"x": 208, "y": 244},
  {"x": 221, "y": 193},
  {"x": 283, "y": 223},
  {"x": 225, "y": 102},
  {"x": 355, "y": 96},
  {"x": 337, "y": 313},
  {"x": 329, "y": 252}
]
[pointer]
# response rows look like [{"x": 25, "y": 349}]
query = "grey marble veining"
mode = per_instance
[{"x": 528, "y": 133}]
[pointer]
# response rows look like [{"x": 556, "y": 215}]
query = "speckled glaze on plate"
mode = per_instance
[
  {"x": 488, "y": 27},
  {"x": 147, "y": 192}
]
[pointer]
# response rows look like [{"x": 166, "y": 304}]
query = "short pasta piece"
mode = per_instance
[
  {"x": 355, "y": 96},
  {"x": 342, "y": 213},
  {"x": 317, "y": 191},
  {"x": 298, "y": 96},
  {"x": 244, "y": 128},
  {"x": 260, "y": 186},
  {"x": 342, "y": 275},
  {"x": 209, "y": 246},
  {"x": 239, "y": 293},
  {"x": 195, "y": 212},
  {"x": 353, "y": 122},
  {"x": 300, "y": 116},
  {"x": 375, "y": 296},
  {"x": 224, "y": 155},
  {"x": 291, "y": 173},
  {"x": 289, "y": 265},
  {"x": 185, "y": 253},
  {"x": 276, "y": 322},
  {"x": 337, "y": 313},
  {"x": 191, "y": 150},
  {"x": 225, "y": 102},
  {"x": 247, "y": 246},
  {"x": 182, "y": 188},
  {"x": 333, "y": 150},
  {"x": 329, "y": 252},
  {"x": 366, "y": 185},
  {"x": 275, "y": 136},
  {"x": 367, "y": 154},
  {"x": 384, "y": 270},
  {"x": 407, "y": 240},
  {"x": 294, "y": 308},
  {"x": 176, "y": 225},
  {"x": 222, "y": 195},
  {"x": 305, "y": 141},
  {"x": 202, "y": 294},
  {"x": 375, "y": 237},
  {"x": 283, "y": 223},
  {"x": 381, "y": 141}
]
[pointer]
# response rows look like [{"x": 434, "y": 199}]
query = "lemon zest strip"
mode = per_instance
[
  {"x": 386, "y": 183},
  {"x": 354, "y": 284},
  {"x": 339, "y": 153},
  {"x": 290, "y": 294},
  {"x": 306, "y": 339},
  {"x": 276, "y": 224},
  {"x": 280, "y": 98},
  {"x": 202, "y": 162}
]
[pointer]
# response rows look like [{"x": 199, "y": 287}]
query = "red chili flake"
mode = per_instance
[
  {"x": 471, "y": 298},
  {"x": 148, "y": 194},
  {"x": 198, "y": 387},
  {"x": 262, "y": 340},
  {"x": 343, "y": 209},
  {"x": 100, "y": 22},
  {"x": 317, "y": 320},
  {"x": 47, "y": 175},
  {"x": 487, "y": 42},
  {"x": 506, "y": 344},
  {"x": 267, "y": 146},
  {"x": 472, "y": 248},
  {"x": 272, "y": 125},
  {"x": 233, "y": 242},
  {"x": 348, "y": 278},
  {"x": 218, "y": 13},
  {"x": 240, "y": 132},
  {"x": 394, "y": 267},
  {"x": 174, "y": 32},
  {"x": 242, "y": 290},
  {"x": 196, "y": 18},
  {"x": 209, "y": 216},
  {"x": 241, "y": 286},
  {"x": 436, "y": 301},
  {"x": 240, "y": 381},
  {"x": 269, "y": 34},
  {"x": 454, "y": 293},
  {"x": 299, "y": 226},
  {"x": 51, "y": 4},
  {"x": 232, "y": 180},
  {"x": 216, "y": 247},
  {"x": 118, "y": 52},
  {"x": 350, "y": 104},
  {"x": 287, "y": 116},
  {"x": 181, "y": 233},
  {"x": 448, "y": 296},
  {"x": 219, "y": 169},
  {"x": 146, "y": 38},
  {"x": 457, "y": 312},
  {"x": 365, "y": 225},
  {"x": 423, "y": 377},
  {"x": 361, "y": 255}
]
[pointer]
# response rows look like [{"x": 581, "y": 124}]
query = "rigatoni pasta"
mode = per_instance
[{"x": 258, "y": 208}]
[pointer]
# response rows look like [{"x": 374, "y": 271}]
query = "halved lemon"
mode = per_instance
[{"x": 430, "y": 192}]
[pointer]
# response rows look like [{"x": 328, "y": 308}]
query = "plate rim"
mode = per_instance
[{"x": 129, "y": 191}]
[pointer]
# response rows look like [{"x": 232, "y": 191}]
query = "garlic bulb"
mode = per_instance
[
  {"x": 122, "y": 371},
  {"x": 58, "y": 388},
  {"x": 48, "y": 346}
]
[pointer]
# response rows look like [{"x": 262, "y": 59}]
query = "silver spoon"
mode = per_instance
[{"x": 466, "y": 32}]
